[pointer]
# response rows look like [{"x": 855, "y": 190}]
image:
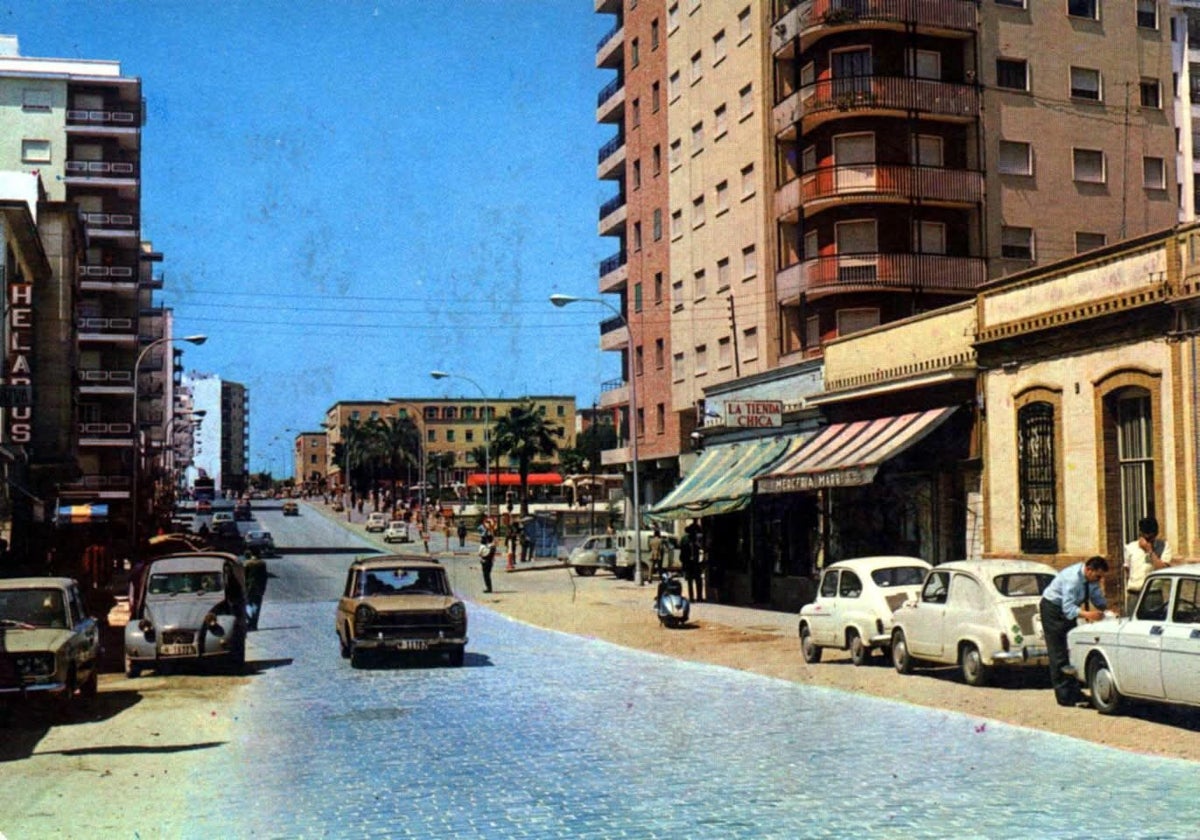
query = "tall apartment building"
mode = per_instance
[
  {"x": 838, "y": 164},
  {"x": 223, "y": 437}
]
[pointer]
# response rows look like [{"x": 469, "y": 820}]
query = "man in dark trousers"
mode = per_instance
[
  {"x": 256, "y": 587},
  {"x": 487, "y": 556},
  {"x": 1074, "y": 593}
]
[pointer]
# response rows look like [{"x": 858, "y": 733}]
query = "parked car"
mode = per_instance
[
  {"x": 399, "y": 604},
  {"x": 626, "y": 554},
  {"x": 48, "y": 644},
  {"x": 1151, "y": 655},
  {"x": 260, "y": 542},
  {"x": 397, "y": 531},
  {"x": 221, "y": 516},
  {"x": 376, "y": 522},
  {"x": 599, "y": 551},
  {"x": 188, "y": 607},
  {"x": 976, "y": 614},
  {"x": 854, "y": 605},
  {"x": 291, "y": 509},
  {"x": 242, "y": 512}
]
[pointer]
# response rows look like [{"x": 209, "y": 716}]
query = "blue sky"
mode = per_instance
[{"x": 349, "y": 195}]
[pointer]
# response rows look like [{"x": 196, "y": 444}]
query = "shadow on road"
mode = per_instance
[
  {"x": 24, "y": 724},
  {"x": 257, "y": 666},
  {"x": 137, "y": 749}
]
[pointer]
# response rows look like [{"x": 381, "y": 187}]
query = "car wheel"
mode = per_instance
[
  {"x": 457, "y": 656},
  {"x": 92, "y": 684},
  {"x": 585, "y": 571},
  {"x": 358, "y": 658},
  {"x": 860, "y": 654},
  {"x": 344, "y": 646},
  {"x": 1106, "y": 699},
  {"x": 132, "y": 669},
  {"x": 973, "y": 670},
  {"x": 810, "y": 650},
  {"x": 237, "y": 658},
  {"x": 900, "y": 658}
]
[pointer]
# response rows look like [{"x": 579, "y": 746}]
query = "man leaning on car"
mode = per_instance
[{"x": 1074, "y": 593}]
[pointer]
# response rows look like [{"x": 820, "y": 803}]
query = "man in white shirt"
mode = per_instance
[{"x": 1146, "y": 553}]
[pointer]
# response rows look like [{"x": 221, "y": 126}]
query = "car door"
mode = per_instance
[
  {"x": 1181, "y": 644},
  {"x": 820, "y": 613},
  {"x": 848, "y": 608},
  {"x": 86, "y": 633},
  {"x": 1140, "y": 641},
  {"x": 969, "y": 614},
  {"x": 923, "y": 625}
]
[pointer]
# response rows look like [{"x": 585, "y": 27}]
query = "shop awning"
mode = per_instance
[
  {"x": 722, "y": 480},
  {"x": 849, "y": 454},
  {"x": 81, "y": 514},
  {"x": 514, "y": 480}
]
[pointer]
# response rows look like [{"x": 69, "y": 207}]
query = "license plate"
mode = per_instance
[
  {"x": 178, "y": 650},
  {"x": 412, "y": 644}
]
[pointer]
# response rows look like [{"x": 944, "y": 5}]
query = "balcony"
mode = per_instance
[
  {"x": 608, "y": 7},
  {"x": 612, "y": 216},
  {"x": 786, "y": 116},
  {"x": 787, "y": 27},
  {"x": 842, "y": 273},
  {"x": 939, "y": 18},
  {"x": 105, "y": 381},
  {"x": 610, "y": 102},
  {"x": 889, "y": 96},
  {"x": 107, "y": 330},
  {"x": 106, "y": 434},
  {"x": 117, "y": 119},
  {"x": 106, "y": 278},
  {"x": 98, "y": 487},
  {"x": 870, "y": 182},
  {"x": 610, "y": 160},
  {"x": 787, "y": 201},
  {"x": 121, "y": 176},
  {"x": 111, "y": 225},
  {"x": 610, "y": 52},
  {"x": 613, "y": 393},
  {"x": 614, "y": 334},
  {"x": 614, "y": 273}
]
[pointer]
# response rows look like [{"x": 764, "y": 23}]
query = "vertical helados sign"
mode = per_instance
[{"x": 19, "y": 355}]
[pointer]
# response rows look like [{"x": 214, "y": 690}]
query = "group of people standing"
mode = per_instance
[{"x": 691, "y": 559}]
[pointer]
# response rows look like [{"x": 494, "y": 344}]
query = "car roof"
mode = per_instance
[
  {"x": 258, "y": 533},
  {"x": 999, "y": 566},
  {"x": 869, "y": 564},
  {"x": 197, "y": 561},
  {"x": 1190, "y": 570},
  {"x": 35, "y": 582},
  {"x": 389, "y": 560}
]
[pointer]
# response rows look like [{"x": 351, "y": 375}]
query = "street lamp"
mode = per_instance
[
  {"x": 487, "y": 432},
  {"x": 137, "y": 433},
  {"x": 561, "y": 301}
]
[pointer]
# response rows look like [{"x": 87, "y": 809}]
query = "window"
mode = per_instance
[
  {"x": 637, "y": 360},
  {"x": 927, "y": 151},
  {"x": 635, "y": 118},
  {"x": 634, "y": 57},
  {"x": 676, "y": 223},
  {"x": 1016, "y": 243},
  {"x": 812, "y": 332},
  {"x": 656, "y": 159},
  {"x": 746, "y": 102},
  {"x": 722, "y": 274},
  {"x": 673, "y": 86},
  {"x": 724, "y": 353},
  {"x": 697, "y": 67},
  {"x": 660, "y": 418},
  {"x": 673, "y": 17},
  {"x": 1147, "y": 14},
  {"x": 747, "y": 181},
  {"x": 673, "y": 154},
  {"x": 677, "y": 294},
  {"x": 655, "y": 97},
  {"x": 637, "y": 174},
  {"x": 1016, "y": 158},
  {"x": 1089, "y": 165},
  {"x": 1135, "y": 460},
  {"x": 720, "y": 49},
  {"x": 750, "y": 344},
  {"x": 1083, "y": 8},
  {"x": 1154, "y": 173},
  {"x": 637, "y": 297},
  {"x": 35, "y": 100},
  {"x": 637, "y": 236},
  {"x": 855, "y": 320},
  {"x": 677, "y": 367},
  {"x": 743, "y": 24},
  {"x": 1036, "y": 483},
  {"x": 1151, "y": 93},
  {"x": 1012, "y": 73},
  {"x": 749, "y": 262},
  {"x": 450, "y": 436},
  {"x": 470, "y": 435},
  {"x": 1016, "y": 4},
  {"x": 660, "y": 355},
  {"x": 720, "y": 120},
  {"x": 722, "y": 197},
  {"x": 658, "y": 287},
  {"x": 35, "y": 151},
  {"x": 431, "y": 435},
  {"x": 697, "y": 211},
  {"x": 1085, "y": 83},
  {"x": 924, "y": 64},
  {"x": 1088, "y": 241},
  {"x": 929, "y": 237},
  {"x": 654, "y": 34},
  {"x": 697, "y": 138},
  {"x": 701, "y": 359},
  {"x": 657, "y": 224},
  {"x": 699, "y": 285}
]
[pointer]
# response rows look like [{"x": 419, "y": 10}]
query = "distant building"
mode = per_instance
[
  {"x": 223, "y": 437},
  {"x": 310, "y": 459}
]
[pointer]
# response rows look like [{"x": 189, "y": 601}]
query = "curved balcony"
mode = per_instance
[
  {"x": 943, "y": 18},
  {"x": 879, "y": 272},
  {"x": 870, "y": 182},
  {"x": 890, "y": 96}
]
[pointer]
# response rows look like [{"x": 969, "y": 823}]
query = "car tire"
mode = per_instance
[
  {"x": 808, "y": 649},
  {"x": 92, "y": 684},
  {"x": 974, "y": 672},
  {"x": 358, "y": 658},
  {"x": 1106, "y": 699},
  {"x": 860, "y": 654},
  {"x": 237, "y": 658},
  {"x": 901, "y": 659},
  {"x": 132, "y": 669},
  {"x": 343, "y": 646},
  {"x": 585, "y": 571},
  {"x": 457, "y": 656}
]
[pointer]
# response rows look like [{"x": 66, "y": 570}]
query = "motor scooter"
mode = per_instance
[{"x": 669, "y": 604}]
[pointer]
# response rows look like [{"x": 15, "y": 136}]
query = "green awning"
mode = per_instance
[{"x": 723, "y": 478}]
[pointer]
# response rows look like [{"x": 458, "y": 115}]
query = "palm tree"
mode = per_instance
[
  {"x": 435, "y": 464},
  {"x": 399, "y": 443},
  {"x": 355, "y": 443},
  {"x": 524, "y": 434}
]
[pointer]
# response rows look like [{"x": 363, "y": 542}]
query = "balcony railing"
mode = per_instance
[
  {"x": 121, "y": 221},
  {"x": 612, "y": 385},
  {"x": 612, "y": 205},
  {"x": 99, "y": 482},
  {"x": 611, "y": 324},
  {"x": 961, "y": 15},
  {"x": 608, "y": 36},
  {"x": 927, "y": 272},
  {"x": 870, "y": 181},
  {"x": 105, "y": 429},
  {"x": 106, "y": 272},
  {"x": 106, "y": 377},
  {"x": 610, "y": 264},
  {"x": 610, "y": 147},
  {"x": 608, "y": 90},
  {"x": 896, "y": 93},
  {"x": 105, "y": 325},
  {"x": 126, "y": 119},
  {"x": 101, "y": 168}
]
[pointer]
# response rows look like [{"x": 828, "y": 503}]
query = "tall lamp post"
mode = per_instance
[
  {"x": 563, "y": 300},
  {"x": 137, "y": 434},
  {"x": 487, "y": 431}
]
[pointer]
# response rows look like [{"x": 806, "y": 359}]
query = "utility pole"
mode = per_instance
[{"x": 737, "y": 357}]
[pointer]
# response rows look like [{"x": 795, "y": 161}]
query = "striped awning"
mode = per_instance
[
  {"x": 81, "y": 514},
  {"x": 849, "y": 454},
  {"x": 723, "y": 478}
]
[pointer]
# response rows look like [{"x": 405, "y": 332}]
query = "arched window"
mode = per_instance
[
  {"x": 1135, "y": 456},
  {"x": 1036, "y": 479}
]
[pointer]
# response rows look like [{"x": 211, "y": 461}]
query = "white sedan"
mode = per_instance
[
  {"x": 854, "y": 605},
  {"x": 1153, "y": 655},
  {"x": 974, "y": 614},
  {"x": 397, "y": 531}
]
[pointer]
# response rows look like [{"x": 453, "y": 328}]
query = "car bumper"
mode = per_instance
[
  {"x": 31, "y": 688},
  {"x": 1024, "y": 656},
  {"x": 410, "y": 645}
]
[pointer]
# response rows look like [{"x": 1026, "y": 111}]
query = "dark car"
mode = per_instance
[{"x": 242, "y": 512}]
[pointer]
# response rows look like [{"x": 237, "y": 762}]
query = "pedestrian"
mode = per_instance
[
  {"x": 526, "y": 545},
  {"x": 256, "y": 587},
  {"x": 487, "y": 556},
  {"x": 1146, "y": 553},
  {"x": 1074, "y": 593},
  {"x": 462, "y": 533},
  {"x": 688, "y": 559},
  {"x": 699, "y": 557},
  {"x": 425, "y": 534},
  {"x": 656, "y": 552}
]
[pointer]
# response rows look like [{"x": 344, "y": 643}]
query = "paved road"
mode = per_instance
[{"x": 544, "y": 735}]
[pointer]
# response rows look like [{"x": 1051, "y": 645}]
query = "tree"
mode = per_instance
[
  {"x": 356, "y": 441},
  {"x": 435, "y": 463},
  {"x": 524, "y": 434},
  {"x": 399, "y": 442}
]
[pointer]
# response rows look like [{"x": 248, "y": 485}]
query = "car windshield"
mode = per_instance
[
  {"x": 32, "y": 607},
  {"x": 1023, "y": 584},
  {"x": 396, "y": 524},
  {"x": 258, "y": 535},
  {"x": 402, "y": 581},
  {"x": 185, "y": 583},
  {"x": 898, "y": 576}
]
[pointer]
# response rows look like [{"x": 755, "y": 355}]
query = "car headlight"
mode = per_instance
[
  {"x": 364, "y": 615},
  {"x": 458, "y": 613},
  {"x": 35, "y": 665},
  {"x": 146, "y": 626}
]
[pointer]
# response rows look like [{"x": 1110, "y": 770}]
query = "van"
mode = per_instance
[
  {"x": 595, "y": 552},
  {"x": 626, "y": 553}
]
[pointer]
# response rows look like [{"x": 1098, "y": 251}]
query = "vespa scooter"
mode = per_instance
[{"x": 669, "y": 604}]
